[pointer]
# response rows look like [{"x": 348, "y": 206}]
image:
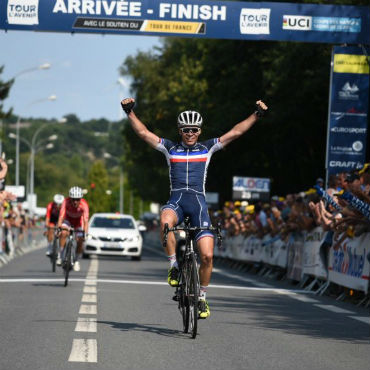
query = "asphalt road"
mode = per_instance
[{"x": 118, "y": 314}]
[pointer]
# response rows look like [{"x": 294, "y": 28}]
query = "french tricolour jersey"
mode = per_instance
[{"x": 188, "y": 165}]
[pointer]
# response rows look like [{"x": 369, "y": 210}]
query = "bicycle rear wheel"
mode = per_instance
[
  {"x": 193, "y": 295},
  {"x": 54, "y": 254},
  {"x": 67, "y": 264}
]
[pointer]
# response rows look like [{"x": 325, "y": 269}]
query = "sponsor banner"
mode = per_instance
[
  {"x": 349, "y": 105},
  {"x": 323, "y": 24},
  {"x": 251, "y": 188},
  {"x": 280, "y": 253},
  {"x": 348, "y": 63},
  {"x": 313, "y": 263},
  {"x": 252, "y": 248},
  {"x": 295, "y": 256},
  {"x": 267, "y": 249},
  {"x": 349, "y": 261},
  {"x": 210, "y": 19}
]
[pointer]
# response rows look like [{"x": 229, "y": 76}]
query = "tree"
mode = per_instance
[
  {"x": 4, "y": 92},
  {"x": 97, "y": 187}
]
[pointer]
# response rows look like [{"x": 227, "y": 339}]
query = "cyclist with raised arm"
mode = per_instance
[
  {"x": 188, "y": 161},
  {"x": 74, "y": 213},
  {"x": 51, "y": 220}
]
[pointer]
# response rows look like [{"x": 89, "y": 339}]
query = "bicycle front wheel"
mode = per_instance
[
  {"x": 193, "y": 295},
  {"x": 67, "y": 264},
  {"x": 183, "y": 299}
]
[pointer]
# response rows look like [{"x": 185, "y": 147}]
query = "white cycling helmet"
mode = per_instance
[
  {"x": 75, "y": 193},
  {"x": 58, "y": 199},
  {"x": 189, "y": 118}
]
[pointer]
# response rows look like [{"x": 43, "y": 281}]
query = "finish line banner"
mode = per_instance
[
  {"x": 348, "y": 110},
  {"x": 191, "y": 18}
]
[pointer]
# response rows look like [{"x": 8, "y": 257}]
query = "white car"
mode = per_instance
[{"x": 113, "y": 234}]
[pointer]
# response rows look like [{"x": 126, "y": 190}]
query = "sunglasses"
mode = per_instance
[
  {"x": 194, "y": 130},
  {"x": 76, "y": 199}
]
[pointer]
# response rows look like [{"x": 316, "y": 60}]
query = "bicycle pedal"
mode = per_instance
[{"x": 175, "y": 298}]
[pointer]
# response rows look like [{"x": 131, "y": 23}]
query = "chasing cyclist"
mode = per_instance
[
  {"x": 52, "y": 216},
  {"x": 188, "y": 162},
  {"x": 74, "y": 213}
]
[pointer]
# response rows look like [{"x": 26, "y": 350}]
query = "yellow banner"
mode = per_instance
[
  {"x": 348, "y": 63},
  {"x": 173, "y": 27}
]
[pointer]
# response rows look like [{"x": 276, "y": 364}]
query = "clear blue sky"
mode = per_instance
[{"x": 83, "y": 73}]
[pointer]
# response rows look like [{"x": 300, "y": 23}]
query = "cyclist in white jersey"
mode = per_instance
[{"x": 188, "y": 162}]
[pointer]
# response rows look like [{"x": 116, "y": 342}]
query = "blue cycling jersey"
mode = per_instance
[{"x": 188, "y": 164}]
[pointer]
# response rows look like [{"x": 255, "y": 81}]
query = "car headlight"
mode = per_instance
[
  {"x": 130, "y": 239},
  {"x": 91, "y": 237}
]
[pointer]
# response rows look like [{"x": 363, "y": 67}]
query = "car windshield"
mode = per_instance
[{"x": 113, "y": 223}]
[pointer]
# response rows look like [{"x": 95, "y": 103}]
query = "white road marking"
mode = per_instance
[
  {"x": 296, "y": 296},
  {"x": 364, "y": 319},
  {"x": 84, "y": 350},
  {"x": 241, "y": 278},
  {"x": 86, "y": 324},
  {"x": 88, "y": 309},
  {"x": 89, "y": 289},
  {"x": 90, "y": 282},
  {"x": 89, "y": 298},
  {"x": 333, "y": 308},
  {"x": 158, "y": 283}
]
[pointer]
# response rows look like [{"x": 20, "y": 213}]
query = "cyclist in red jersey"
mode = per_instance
[
  {"x": 52, "y": 216},
  {"x": 74, "y": 213}
]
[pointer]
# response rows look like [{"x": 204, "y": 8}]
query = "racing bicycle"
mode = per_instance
[
  {"x": 187, "y": 293},
  {"x": 69, "y": 254}
]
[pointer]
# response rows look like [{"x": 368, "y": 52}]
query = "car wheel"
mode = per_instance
[
  {"x": 135, "y": 258},
  {"x": 85, "y": 256}
]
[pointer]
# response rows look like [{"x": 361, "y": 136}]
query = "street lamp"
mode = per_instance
[
  {"x": 49, "y": 98},
  {"x": 34, "y": 148},
  {"x": 107, "y": 155},
  {"x": 41, "y": 66}
]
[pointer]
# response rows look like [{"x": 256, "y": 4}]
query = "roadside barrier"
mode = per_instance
[
  {"x": 13, "y": 244},
  {"x": 306, "y": 257}
]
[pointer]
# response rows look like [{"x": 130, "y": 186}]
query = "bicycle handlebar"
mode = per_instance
[{"x": 188, "y": 229}]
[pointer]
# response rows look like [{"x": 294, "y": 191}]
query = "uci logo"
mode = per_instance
[{"x": 297, "y": 23}]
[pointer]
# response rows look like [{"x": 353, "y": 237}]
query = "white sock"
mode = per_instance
[
  {"x": 173, "y": 261},
  {"x": 203, "y": 292}
]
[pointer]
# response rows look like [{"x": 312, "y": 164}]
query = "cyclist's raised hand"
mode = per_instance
[
  {"x": 261, "y": 108},
  {"x": 139, "y": 127},
  {"x": 128, "y": 104},
  {"x": 240, "y": 128}
]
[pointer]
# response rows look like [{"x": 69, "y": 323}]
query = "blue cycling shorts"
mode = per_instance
[{"x": 194, "y": 206}]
